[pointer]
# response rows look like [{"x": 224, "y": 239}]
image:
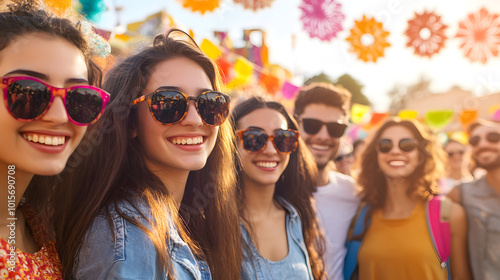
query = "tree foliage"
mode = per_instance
[{"x": 346, "y": 81}]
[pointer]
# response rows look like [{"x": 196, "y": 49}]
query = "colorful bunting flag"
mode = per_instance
[
  {"x": 289, "y": 90},
  {"x": 210, "y": 49},
  {"x": 468, "y": 116},
  {"x": 408, "y": 114},
  {"x": 358, "y": 111},
  {"x": 438, "y": 118}
]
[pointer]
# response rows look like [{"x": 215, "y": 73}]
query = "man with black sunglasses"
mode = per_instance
[
  {"x": 481, "y": 200},
  {"x": 322, "y": 111}
]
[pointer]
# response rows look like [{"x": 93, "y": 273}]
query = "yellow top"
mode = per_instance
[{"x": 399, "y": 249}]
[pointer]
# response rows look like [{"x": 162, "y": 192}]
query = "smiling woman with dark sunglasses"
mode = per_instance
[
  {"x": 276, "y": 177},
  {"x": 403, "y": 230},
  {"x": 155, "y": 199},
  {"x": 47, "y": 102}
]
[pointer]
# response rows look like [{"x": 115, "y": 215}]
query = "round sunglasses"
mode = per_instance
[
  {"x": 313, "y": 126},
  {"x": 405, "y": 145},
  {"x": 28, "y": 99},
  {"x": 169, "y": 107},
  {"x": 492, "y": 137},
  {"x": 255, "y": 140}
]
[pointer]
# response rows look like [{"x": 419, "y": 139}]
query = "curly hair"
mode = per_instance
[{"x": 423, "y": 181}]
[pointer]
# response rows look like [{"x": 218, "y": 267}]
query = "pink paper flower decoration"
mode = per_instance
[
  {"x": 480, "y": 34},
  {"x": 426, "y": 34},
  {"x": 254, "y": 4},
  {"x": 322, "y": 18}
]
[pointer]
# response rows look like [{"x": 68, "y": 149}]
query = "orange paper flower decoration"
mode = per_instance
[
  {"x": 201, "y": 6},
  {"x": 426, "y": 34},
  {"x": 254, "y": 4},
  {"x": 368, "y": 39},
  {"x": 480, "y": 34}
]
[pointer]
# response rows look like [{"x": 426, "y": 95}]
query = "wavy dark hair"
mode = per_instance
[
  {"x": 24, "y": 17},
  {"x": 109, "y": 168},
  {"x": 295, "y": 185},
  {"x": 423, "y": 181}
]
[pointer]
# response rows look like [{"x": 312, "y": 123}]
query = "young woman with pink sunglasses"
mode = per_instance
[{"x": 46, "y": 73}]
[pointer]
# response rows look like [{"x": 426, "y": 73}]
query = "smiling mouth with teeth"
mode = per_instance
[
  {"x": 45, "y": 139},
  {"x": 397, "y": 163},
  {"x": 188, "y": 141},
  {"x": 266, "y": 164},
  {"x": 320, "y": 147}
]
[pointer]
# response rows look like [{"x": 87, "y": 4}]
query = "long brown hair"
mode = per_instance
[
  {"x": 23, "y": 17},
  {"x": 295, "y": 185},
  {"x": 423, "y": 181},
  {"x": 109, "y": 168}
]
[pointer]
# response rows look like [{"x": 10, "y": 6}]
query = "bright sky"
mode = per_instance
[{"x": 312, "y": 56}]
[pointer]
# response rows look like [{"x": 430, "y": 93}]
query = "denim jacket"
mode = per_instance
[
  {"x": 130, "y": 253},
  {"x": 294, "y": 266}
]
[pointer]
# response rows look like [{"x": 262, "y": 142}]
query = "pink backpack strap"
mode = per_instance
[{"x": 438, "y": 213}]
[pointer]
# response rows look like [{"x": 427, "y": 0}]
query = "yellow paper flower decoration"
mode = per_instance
[
  {"x": 201, "y": 6},
  {"x": 368, "y": 39}
]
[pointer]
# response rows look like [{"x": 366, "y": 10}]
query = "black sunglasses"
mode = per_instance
[
  {"x": 405, "y": 145},
  {"x": 169, "y": 107},
  {"x": 460, "y": 153},
  {"x": 341, "y": 157},
  {"x": 255, "y": 140},
  {"x": 313, "y": 126},
  {"x": 492, "y": 137}
]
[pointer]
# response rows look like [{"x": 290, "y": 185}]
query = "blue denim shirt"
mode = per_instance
[
  {"x": 129, "y": 253},
  {"x": 294, "y": 266}
]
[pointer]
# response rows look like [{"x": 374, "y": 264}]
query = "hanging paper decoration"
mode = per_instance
[
  {"x": 254, "y": 5},
  {"x": 438, "y": 118},
  {"x": 480, "y": 34},
  {"x": 59, "y": 7},
  {"x": 468, "y": 116},
  {"x": 92, "y": 9},
  {"x": 407, "y": 114},
  {"x": 270, "y": 83},
  {"x": 368, "y": 39},
  {"x": 289, "y": 90},
  {"x": 426, "y": 34},
  {"x": 201, "y": 6},
  {"x": 322, "y": 18},
  {"x": 358, "y": 111},
  {"x": 210, "y": 49}
]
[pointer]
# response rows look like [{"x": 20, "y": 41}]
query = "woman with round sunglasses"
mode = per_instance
[
  {"x": 47, "y": 102},
  {"x": 155, "y": 197},
  {"x": 280, "y": 233},
  {"x": 402, "y": 232}
]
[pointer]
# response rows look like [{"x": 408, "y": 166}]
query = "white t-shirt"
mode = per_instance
[{"x": 336, "y": 205}]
